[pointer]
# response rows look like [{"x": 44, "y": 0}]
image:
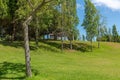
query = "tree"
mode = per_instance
[
  {"x": 97, "y": 19},
  {"x": 101, "y": 27},
  {"x": 27, "y": 10},
  {"x": 70, "y": 19},
  {"x": 37, "y": 16},
  {"x": 110, "y": 34},
  {"x": 3, "y": 9},
  {"x": 12, "y": 7},
  {"x": 41, "y": 23},
  {"x": 83, "y": 37},
  {"x": 105, "y": 34},
  {"x": 115, "y": 33},
  {"x": 90, "y": 22}
]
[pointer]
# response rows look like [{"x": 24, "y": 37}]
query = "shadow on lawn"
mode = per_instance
[
  {"x": 17, "y": 70},
  {"x": 33, "y": 46},
  {"x": 83, "y": 47},
  {"x": 48, "y": 48},
  {"x": 15, "y": 44}
]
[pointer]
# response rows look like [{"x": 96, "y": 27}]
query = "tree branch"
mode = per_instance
[
  {"x": 30, "y": 4},
  {"x": 29, "y": 18},
  {"x": 39, "y": 6}
]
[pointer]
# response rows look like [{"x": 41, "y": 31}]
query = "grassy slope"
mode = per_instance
[{"x": 48, "y": 63}]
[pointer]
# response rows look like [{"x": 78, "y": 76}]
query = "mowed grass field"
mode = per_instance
[{"x": 49, "y": 63}]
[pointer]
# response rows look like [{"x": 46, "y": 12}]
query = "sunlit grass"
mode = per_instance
[{"x": 49, "y": 63}]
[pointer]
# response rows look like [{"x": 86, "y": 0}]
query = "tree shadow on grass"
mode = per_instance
[
  {"x": 54, "y": 46},
  {"x": 83, "y": 47},
  {"x": 48, "y": 48},
  {"x": 15, "y": 44},
  {"x": 13, "y": 71},
  {"x": 33, "y": 46}
]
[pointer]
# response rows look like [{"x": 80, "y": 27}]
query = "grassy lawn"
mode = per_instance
[{"x": 49, "y": 63}]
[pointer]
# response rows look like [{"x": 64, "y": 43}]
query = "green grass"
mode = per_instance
[{"x": 49, "y": 63}]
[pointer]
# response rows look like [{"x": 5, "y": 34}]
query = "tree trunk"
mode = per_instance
[
  {"x": 62, "y": 42},
  {"x": 91, "y": 46},
  {"x": 71, "y": 44},
  {"x": 98, "y": 37},
  {"x": 73, "y": 37},
  {"x": 13, "y": 34},
  {"x": 37, "y": 31},
  {"x": 37, "y": 35},
  {"x": 26, "y": 39},
  {"x": 62, "y": 35},
  {"x": 98, "y": 43},
  {"x": 55, "y": 36},
  {"x": 27, "y": 50},
  {"x": 2, "y": 32}
]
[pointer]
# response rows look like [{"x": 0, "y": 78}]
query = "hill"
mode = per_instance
[{"x": 49, "y": 63}]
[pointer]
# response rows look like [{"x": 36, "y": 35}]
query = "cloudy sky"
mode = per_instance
[{"x": 110, "y": 9}]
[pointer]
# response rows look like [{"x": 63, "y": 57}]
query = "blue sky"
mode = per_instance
[{"x": 110, "y": 9}]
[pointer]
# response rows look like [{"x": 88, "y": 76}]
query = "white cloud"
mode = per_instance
[{"x": 112, "y": 4}]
